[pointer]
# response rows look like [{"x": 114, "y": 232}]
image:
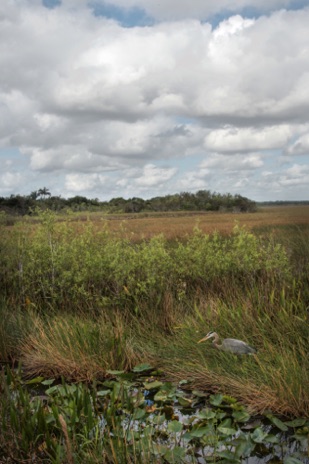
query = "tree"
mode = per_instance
[{"x": 43, "y": 192}]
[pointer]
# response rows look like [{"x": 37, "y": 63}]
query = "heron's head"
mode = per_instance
[{"x": 207, "y": 337}]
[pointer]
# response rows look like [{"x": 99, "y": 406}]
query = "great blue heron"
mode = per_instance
[{"x": 229, "y": 344}]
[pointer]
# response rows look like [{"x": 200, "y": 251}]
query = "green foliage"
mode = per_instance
[
  {"x": 111, "y": 423},
  {"x": 85, "y": 303},
  {"x": 53, "y": 265},
  {"x": 242, "y": 257},
  {"x": 203, "y": 200}
]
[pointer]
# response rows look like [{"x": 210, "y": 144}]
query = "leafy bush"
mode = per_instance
[{"x": 52, "y": 263}]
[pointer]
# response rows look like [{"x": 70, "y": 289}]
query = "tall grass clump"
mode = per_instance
[{"x": 79, "y": 348}]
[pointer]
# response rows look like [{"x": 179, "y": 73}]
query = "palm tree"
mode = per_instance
[{"x": 44, "y": 192}]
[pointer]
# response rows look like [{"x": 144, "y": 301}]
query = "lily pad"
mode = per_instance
[
  {"x": 199, "y": 432},
  {"x": 243, "y": 446},
  {"x": 206, "y": 414},
  {"x": 216, "y": 400},
  {"x": 161, "y": 396},
  {"x": 241, "y": 416},
  {"x": 175, "y": 426},
  {"x": 153, "y": 385},
  {"x": 142, "y": 368},
  {"x": 226, "y": 430},
  {"x": 185, "y": 402},
  {"x": 277, "y": 422},
  {"x": 228, "y": 456},
  {"x": 296, "y": 422},
  {"x": 175, "y": 455},
  {"x": 258, "y": 436}
]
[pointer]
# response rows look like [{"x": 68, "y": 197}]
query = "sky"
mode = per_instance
[{"x": 145, "y": 98}]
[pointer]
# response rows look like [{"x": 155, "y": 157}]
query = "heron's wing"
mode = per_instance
[
  {"x": 233, "y": 342},
  {"x": 237, "y": 346}
]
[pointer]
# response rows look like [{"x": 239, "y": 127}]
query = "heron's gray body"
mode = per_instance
[
  {"x": 230, "y": 345},
  {"x": 236, "y": 346}
]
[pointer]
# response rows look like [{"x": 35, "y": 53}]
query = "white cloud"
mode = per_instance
[
  {"x": 154, "y": 176},
  {"x": 10, "y": 180},
  {"x": 84, "y": 182},
  {"x": 235, "y": 139},
  {"x": 295, "y": 175},
  {"x": 231, "y": 163},
  {"x": 83, "y": 97},
  {"x": 300, "y": 146}
]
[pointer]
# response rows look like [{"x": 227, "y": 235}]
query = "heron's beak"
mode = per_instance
[{"x": 203, "y": 339}]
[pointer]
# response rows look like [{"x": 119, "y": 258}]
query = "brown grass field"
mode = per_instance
[{"x": 178, "y": 224}]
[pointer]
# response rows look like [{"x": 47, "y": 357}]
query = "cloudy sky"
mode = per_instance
[{"x": 151, "y": 97}]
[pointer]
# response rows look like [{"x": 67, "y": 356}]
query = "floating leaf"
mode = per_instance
[
  {"x": 139, "y": 414},
  {"x": 228, "y": 455},
  {"x": 296, "y": 422},
  {"x": 272, "y": 439},
  {"x": 158, "y": 420},
  {"x": 216, "y": 400},
  {"x": 258, "y": 436},
  {"x": 174, "y": 426},
  {"x": 159, "y": 449},
  {"x": 48, "y": 382},
  {"x": 160, "y": 396},
  {"x": 187, "y": 436},
  {"x": 200, "y": 432},
  {"x": 277, "y": 422},
  {"x": 244, "y": 446},
  {"x": 206, "y": 414},
  {"x": 252, "y": 425},
  {"x": 241, "y": 416},
  {"x": 153, "y": 385},
  {"x": 226, "y": 430},
  {"x": 185, "y": 402},
  {"x": 175, "y": 455},
  {"x": 142, "y": 367}
]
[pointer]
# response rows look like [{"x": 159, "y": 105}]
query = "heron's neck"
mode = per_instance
[{"x": 216, "y": 341}]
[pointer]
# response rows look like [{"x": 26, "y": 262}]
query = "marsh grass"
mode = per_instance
[
  {"x": 78, "y": 348},
  {"x": 81, "y": 304},
  {"x": 14, "y": 326},
  {"x": 277, "y": 378}
]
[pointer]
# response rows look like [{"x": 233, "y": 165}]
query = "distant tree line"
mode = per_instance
[
  {"x": 203, "y": 200},
  {"x": 283, "y": 203}
]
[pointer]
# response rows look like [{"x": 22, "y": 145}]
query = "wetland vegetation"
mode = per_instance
[{"x": 103, "y": 317}]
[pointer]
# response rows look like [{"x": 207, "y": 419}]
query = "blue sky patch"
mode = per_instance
[
  {"x": 51, "y": 3},
  {"x": 127, "y": 17}
]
